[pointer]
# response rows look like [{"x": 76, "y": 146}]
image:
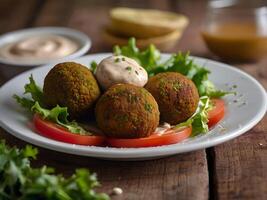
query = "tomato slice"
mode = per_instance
[
  {"x": 217, "y": 113},
  {"x": 56, "y": 132},
  {"x": 170, "y": 137}
]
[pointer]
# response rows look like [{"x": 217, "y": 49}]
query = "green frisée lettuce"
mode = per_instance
[
  {"x": 148, "y": 58},
  {"x": 58, "y": 114},
  {"x": 93, "y": 65},
  {"x": 180, "y": 62},
  {"x": 200, "y": 119},
  {"x": 35, "y": 92},
  {"x": 22, "y": 182}
]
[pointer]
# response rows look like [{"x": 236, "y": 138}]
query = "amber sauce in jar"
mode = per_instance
[{"x": 236, "y": 41}]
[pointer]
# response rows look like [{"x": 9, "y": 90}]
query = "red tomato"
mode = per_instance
[
  {"x": 217, "y": 113},
  {"x": 170, "y": 137},
  {"x": 56, "y": 132}
]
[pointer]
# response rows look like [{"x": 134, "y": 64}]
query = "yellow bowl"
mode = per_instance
[{"x": 145, "y": 23}]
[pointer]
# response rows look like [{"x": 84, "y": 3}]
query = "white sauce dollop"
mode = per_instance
[
  {"x": 163, "y": 128},
  {"x": 120, "y": 69},
  {"x": 39, "y": 48}
]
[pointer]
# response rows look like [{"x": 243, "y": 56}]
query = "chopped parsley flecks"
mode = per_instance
[
  {"x": 176, "y": 86},
  {"x": 162, "y": 89},
  {"x": 148, "y": 107},
  {"x": 117, "y": 60},
  {"x": 122, "y": 117},
  {"x": 128, "y": 68},
  {"x": 132, "y": 98}
]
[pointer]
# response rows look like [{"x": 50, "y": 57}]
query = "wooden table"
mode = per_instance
[{"x": 234, "y": 170}]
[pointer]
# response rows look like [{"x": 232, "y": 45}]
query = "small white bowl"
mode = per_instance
[{"x": 82, "y": 39}]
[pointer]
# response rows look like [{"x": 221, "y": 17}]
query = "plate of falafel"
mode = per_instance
[{"x": 131, "y": 105}]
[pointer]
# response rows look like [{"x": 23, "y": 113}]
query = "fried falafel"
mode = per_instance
[
  {"x": 127, "y": 111},
  {"x": 72, "y": 85},
  {"x": 176, "y": 95}
]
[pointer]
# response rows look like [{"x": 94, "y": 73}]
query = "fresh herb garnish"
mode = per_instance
[
  {"x": 22, "y": 182},
  {"x": 93, "y": 66},
  {"x": 57, "y": 114},
  {"x": 148, "y": 107},
  {"x": 117, "y": 60},
  {"x": 128, "y": 68},
  {"x": 176, "y": 86}
]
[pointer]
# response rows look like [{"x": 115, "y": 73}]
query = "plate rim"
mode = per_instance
[{"x": 156, "y": 152}]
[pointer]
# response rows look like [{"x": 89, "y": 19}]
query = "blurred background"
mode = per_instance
[
  {"x": 225, "y": 30},
  {"x": 90, "y": 16}
]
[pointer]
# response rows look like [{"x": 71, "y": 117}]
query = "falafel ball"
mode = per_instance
[
  {"x": 176, "y": 95},
  {"x": 127, "y": 111},
  {"x": 72, "y": 85}
]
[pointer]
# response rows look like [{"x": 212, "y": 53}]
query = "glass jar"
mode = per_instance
[{"x": 236, "y": 29}]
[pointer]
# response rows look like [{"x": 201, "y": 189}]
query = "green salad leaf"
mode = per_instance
[
  {"x": 200, "y": 119},
  {"x": 35, "y": 92},
  {"x": 147, "y": 58},
  {"x": 22, "y": 182},
  {"x": 93, "y": 65},
  {"x": 180, "y": 62},
  {"x": 58, "y": 114},
  {"x": 24, "y": 102}
]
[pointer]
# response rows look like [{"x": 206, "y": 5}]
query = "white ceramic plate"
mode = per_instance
[
  {"x": 244, "y": 111},
  {"x": 82, "y": 39}
]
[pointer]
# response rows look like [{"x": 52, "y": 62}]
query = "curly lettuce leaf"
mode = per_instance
[
  {"x": 150, "y": 60},
  {"x": 58, "y": 114},
  {"x": 93, "y": 65},
  {"x": 199, "y": 121},
  {"x": 34, "y": 90},
  {"x": 147, "y": 58},
  {"x": 24, "y": 102}
]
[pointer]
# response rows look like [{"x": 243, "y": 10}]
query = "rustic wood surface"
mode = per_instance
[{"x": 234, "y": 170}]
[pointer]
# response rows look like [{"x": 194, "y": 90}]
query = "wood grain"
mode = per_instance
[
  {"x": 237, "y": 169},
  {"x": 240, "y": 166},
  {"x": 16, "y": 14},
  {"x": 182, "y": 176}
]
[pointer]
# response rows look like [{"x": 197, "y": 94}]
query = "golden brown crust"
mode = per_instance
[
  {"x": 127, "y": 111},
  {"x": 176, "y": 95},
  {"x": 72, "y": 85}
]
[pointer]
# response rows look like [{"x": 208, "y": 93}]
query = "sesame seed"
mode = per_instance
[{"x": 117, "y": 191}]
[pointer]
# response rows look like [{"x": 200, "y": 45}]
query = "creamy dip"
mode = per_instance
[
  {"x": 39, "y": 48},
  {"x": 120, "y": 69}
]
